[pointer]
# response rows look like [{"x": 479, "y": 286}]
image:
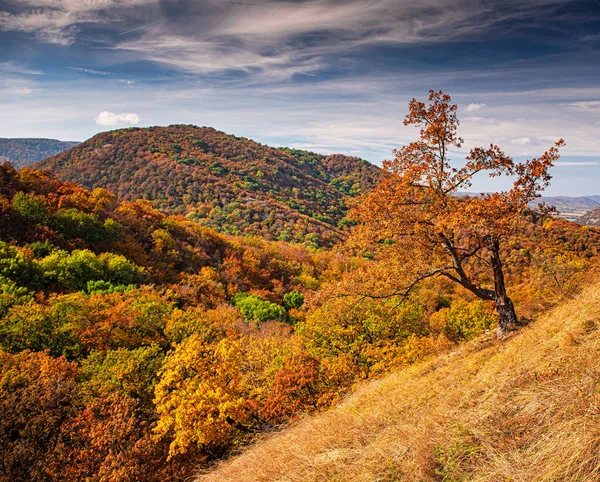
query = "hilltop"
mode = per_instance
[
  {"x": 225, "y": 182},
  {"x": 525, "y": 408},
  {"x": 27, "y": 151}
]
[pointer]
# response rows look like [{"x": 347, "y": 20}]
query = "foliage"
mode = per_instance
[
  {"x": 198, "y": 397},
  {"x": 415, "y": 219},
  {"x": 293, "y": 299},
  {"x": 255, "y": 308},
  {"x": 367, "y": 336},
  {"x": 37, "y": 395},
  {"x": 463, "y": 320},
  {"x": 32, "y": 208}
]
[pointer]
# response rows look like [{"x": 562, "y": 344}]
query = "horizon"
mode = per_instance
[{"x": 330, "y": 77}]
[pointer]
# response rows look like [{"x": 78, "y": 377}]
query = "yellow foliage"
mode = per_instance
[{"x": 198, "y": 398}]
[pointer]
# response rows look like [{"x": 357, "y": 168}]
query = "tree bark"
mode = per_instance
[{"x": 504, "y": 305}]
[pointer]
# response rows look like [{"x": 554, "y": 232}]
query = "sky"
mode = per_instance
[{"x": 328, "y": 76}]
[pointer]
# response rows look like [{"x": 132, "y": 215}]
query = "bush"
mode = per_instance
[
  {"x": 11, "y": 294},
  {"x": 15, "y": 266},
  {"x": 74, "y": 270},
  {"x": 254, "y": 308},
  {"x": 293, "y": 299},
  {"x": 102, "y": 287},
  {"x": 463, "y": 320}
]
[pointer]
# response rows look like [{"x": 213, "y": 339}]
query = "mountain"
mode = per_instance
[
  {"x": 522, "y": 409},
  {"x": 568, "y": 202},
  {"x": 225, "y": 182},
  {"x": 571, "y": 208},
  {"x": 24, "y": 152}
]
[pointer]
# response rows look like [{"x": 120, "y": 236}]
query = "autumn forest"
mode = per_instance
[{"x": 169, "y": 295}]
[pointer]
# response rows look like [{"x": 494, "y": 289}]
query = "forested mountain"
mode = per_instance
[
  {"x": 27, "y": 151},
  {"x": 233, "y": 184}
]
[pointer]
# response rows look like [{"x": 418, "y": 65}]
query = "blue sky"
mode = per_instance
[{"x": 330, "y": 76}]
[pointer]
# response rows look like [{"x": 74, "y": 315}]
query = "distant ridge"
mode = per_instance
[
  {"x": 226, "y": 182},
  {"x": 22, "y": 152},
  {"x": 572, "y": 208}
]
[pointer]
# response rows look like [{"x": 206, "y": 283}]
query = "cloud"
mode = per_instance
[
  {"x": 15, "y": 68},
  {"x": 23, "y": 91},
  {"x": 58, "y": 21},
  {"x": 587, "y": 105},
  {"x": 576, "y": 163},
  {"x": 490, "y": 121},
  {"x": 266, "y": 39},
  {"x": 107, "y": 118},
  {"x": 521, "y": 141},
  {"x": 474, "y": 107},
  {"x": 91, "y": 71}
]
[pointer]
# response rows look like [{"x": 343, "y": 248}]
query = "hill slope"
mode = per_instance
[
  {"x": 230, "y": 183},
  {"x": 24, "y": 152},
  {"x": 522, "y": 409},
  {"x": 591, "y": 218}
]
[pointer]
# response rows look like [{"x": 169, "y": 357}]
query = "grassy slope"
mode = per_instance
[{"x": 523, "y": 409}]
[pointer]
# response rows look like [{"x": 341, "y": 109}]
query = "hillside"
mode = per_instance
[
  {"x": 24, "y": 152},
  {"x": 591, "y": 218},
  {"x": 522, "y": 409},
  {"x": 225, "y": 182}
]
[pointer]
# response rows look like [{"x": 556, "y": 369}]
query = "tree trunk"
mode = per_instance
[{"x": 504, "y": 305}]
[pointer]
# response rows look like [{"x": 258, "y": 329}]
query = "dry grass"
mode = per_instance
[{"x": 523, "y": 409}]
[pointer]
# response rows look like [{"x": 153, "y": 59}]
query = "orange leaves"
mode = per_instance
[
  {"x": 37, "y": 398},
  {"x": 416, "y": 222},
  {"x": 295, "y": 388}
]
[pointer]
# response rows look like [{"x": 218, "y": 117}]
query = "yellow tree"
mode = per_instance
[{"x": 419, "y": 227}]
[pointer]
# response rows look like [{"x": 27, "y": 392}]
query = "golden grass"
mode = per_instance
[{"x": 523, "y": 409}]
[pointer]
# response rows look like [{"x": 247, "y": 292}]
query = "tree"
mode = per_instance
[
  {"x": 417, "y": 222},
  {"x": 199, "y": 396},
  {"x": 37, "y": 400}
]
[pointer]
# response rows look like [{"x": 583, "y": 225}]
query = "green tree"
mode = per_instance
[
  {"x": 31, "y": 207},
  {"x": 254, "y": 308}
]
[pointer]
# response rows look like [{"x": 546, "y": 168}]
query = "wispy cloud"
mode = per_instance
[
  {"x": 16, "y": 68},
  {"x": 577, "y": 163},
  {"x": 271, "y": 39},
  {"x": 58, "y": 21},
  {"x": 91, "y": 71},
  {"x": 490, "y": 121},
  {"x": 587, "y": 105}
]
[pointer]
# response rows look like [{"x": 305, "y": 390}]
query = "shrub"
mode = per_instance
[
  {"x": 463, "y": 320},
  {"x": 254, "y": 308}
]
